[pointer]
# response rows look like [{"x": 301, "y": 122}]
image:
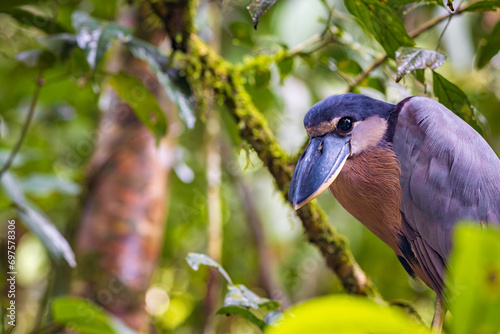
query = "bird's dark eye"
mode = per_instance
[{"x": 345, "y": 125}]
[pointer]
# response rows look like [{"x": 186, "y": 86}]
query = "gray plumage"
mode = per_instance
[
  {"x": 408, "y": 172},
  {"x": 448, "y": 173}
]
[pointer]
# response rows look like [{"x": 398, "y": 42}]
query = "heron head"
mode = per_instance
[{"x": 339, "y": 127}]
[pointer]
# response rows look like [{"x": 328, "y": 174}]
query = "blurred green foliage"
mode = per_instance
[
  {"x": 51, "y": 163},
  {"x": 81, "y": 316},
  {"x": 473, "y": 297},
  {"x": 474, "y": 277},
  {"x": 239, "y": 299},
  {"x": 345, "y": 314}
]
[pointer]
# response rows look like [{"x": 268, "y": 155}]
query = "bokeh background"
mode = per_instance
[{"x": 219, "y": 197}]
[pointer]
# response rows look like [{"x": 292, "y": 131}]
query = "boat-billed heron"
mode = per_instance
[{"x": 408, "y": 172}]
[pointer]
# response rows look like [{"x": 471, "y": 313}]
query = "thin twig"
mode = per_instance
[
  {"x": 442, "y": 33},
  {"x": 435, "y": 21},
  {"x": 316, "y": 42},
  {"x": 269, "y": 283},
  {"x": 26, "y": 125},
  {"x": 379, "y": 61},
  {"x": 414, "y": 34}
]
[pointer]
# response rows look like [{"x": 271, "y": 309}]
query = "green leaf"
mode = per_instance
[
  {"x": 344, "y": 314},
  {"x": 95, "y": 37},
  {"x": 37, "y": 222},
  {"x": 411, "y": 59},
  {"x": 419, "y": 75},
  {"x": 53, "y": 47},
  {"x": 474, "y": 279},
  {"x": 285, "y": 67},
  {"x": 398, "y": 4},
  {"x": 382, "y": 22},
  {"x": 31, "y": 19},
  {"x": 375, "y": 83},
  {"x": 483, "y": 6},
  {"x": 242, "y": 33},
  {"x": 308, "y": 59},
  {"x": 147, "y": 52},
  {"x": 195, "y": 259},
  {"x": 7, "y": 5},
  {"x": 44, "y": 184},
  {"x": 454, "y": 99},
  {"x": 489, "y": 47},
  {"x": 142, "y": 101},
  {"x": 346, "y": 65},
  {"x": 257, "y": 8},
  {"x": 60, "y": 45},
  {"x": 262, "y": 77},
  {"x": 244, "y": 313},
  {"x": 81, "y": 316},
  {"x": 36, "y": 58},
  {"x": 175, "y": 87},
  {"x": 240, "y": 295}
]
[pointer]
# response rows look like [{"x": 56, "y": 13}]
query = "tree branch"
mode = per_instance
[
  {"x": 379, "y": 61},
  {"x": 26, "y": 125},
  {"x": 224, "y": 79},
  {"x": 207, "y": 71},
  {"x": 206, "y": 68},
  {"x": 254, "y": 129},
  {"x": 413, "y": 34}
]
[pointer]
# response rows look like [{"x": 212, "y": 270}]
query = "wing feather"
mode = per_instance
[{"x": 448, "y": 173}]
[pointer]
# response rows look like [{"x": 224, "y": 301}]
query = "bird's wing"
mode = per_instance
[{"x": 448, "y": 173}]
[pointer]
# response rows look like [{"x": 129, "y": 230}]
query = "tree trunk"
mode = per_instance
[{"x": 121, "y": 229}]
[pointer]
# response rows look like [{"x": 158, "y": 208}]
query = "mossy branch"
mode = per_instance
[{"x": 207, "y": 70}]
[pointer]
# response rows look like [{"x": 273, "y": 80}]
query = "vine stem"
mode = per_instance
[
  {"x": 414, "y": 34},
  {"x": 316, "y": 42},
  {"x": 379, "y": 61},
  {"x": 26, "y": 125},
  {"x": 443, "y": 32}
]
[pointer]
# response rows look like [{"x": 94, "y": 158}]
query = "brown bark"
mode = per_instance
[{"x": 121, "y": 229}]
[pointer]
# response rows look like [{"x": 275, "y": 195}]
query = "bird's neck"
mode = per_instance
[{"x": 368, "y": 188}]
